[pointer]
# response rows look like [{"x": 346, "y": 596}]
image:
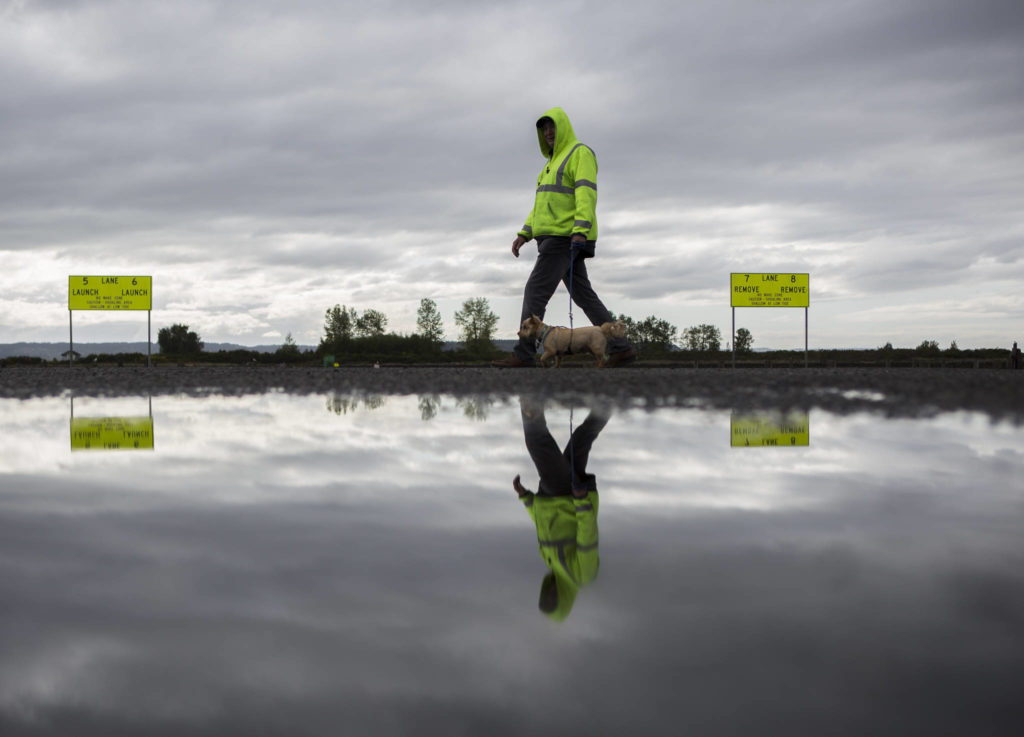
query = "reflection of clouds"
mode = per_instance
[
  {"x": 275, "y": 563},
  {"x": 243, "y": 449},
  {"x": 57, "y": 668},
  {"x": 685, "y": 460},
  {"x": 240, "y": 450},
  {"x": 240, "y": 606}
]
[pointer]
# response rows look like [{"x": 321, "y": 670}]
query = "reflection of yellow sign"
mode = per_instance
[
  {"x": 110, "y": 293},
  {"x": 770, "y": 290},
  {"x": 111, "y": 433},
  {"x": 770, "y": 429}
]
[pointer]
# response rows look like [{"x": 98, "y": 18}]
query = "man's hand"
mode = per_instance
[
  {"x": 518, "y": 486},
  {"x": 579, "y": 238},
  {"x": 518, "y": 243}
]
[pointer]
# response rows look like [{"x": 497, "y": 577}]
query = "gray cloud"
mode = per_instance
[{"x": 296, "y": 134}]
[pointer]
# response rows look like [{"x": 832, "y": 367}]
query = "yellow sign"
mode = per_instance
[
  {"x": 111, "y": 433},
  {"x": 110, "y": 293},
  {"x": 770, "y": 430},
  {"x": 770, "y": 290}
]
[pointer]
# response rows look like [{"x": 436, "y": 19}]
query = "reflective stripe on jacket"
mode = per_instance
[{"x": 566, "y": 199}]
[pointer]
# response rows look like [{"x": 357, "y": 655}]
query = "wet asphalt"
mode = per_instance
[{"x": 898, "y": 392}]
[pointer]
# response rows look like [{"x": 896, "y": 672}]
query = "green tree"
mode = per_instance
[
  {"x": 428, "y": 321},
  {"x": 650, "y": 334},
  {"x": 370, "y": 324},
  {"x": 338, "y": 323},
  {"x": 631, "y": 332},
  {"x": 653, "y": 333},
  {"x": 744, "y": 341},
  {"x": 178, "y": 339},
  {"x": 702, "y": 338},
  {"x": 477, "y": 322},
  {"x": 288, "y": 350},
  {"x": 929, "y": 348}
]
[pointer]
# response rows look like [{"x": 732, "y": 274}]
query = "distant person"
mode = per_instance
[
  {"x": 564, "y": 507},
  {"x": 1015, "y": 356},
  {"x": 564, "y": 223}
]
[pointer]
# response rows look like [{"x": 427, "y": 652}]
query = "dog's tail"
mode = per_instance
[{"x": 615, "y": 329}]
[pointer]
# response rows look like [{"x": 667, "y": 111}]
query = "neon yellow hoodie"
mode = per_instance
[
  {"x": 566, "y": 200},
  {"x": 567, "y": 540}
]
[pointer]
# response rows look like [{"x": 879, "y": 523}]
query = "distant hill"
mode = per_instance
[
  {"x": 49, "y": 351},
  {"x": 502, "y": 345}
]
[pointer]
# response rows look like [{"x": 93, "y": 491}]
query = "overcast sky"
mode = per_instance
[{"x": 266, "y": 160}]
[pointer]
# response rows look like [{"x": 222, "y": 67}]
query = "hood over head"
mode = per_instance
[
  {"x": 557, "y": 595},
  {"x": 564, "y": 134}
]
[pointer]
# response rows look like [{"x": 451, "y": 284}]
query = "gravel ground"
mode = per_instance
[{"x": 900, "y": 392}]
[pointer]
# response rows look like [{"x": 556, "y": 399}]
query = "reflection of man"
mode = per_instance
[{"x": 564, "y": 507}]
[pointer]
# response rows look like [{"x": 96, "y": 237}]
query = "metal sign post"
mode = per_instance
[
  {"x": 110, "y": 293},
  {"x": 770, "y": 290}
]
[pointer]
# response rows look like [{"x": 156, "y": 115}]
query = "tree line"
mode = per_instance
[{"x": 348, "y": 333}]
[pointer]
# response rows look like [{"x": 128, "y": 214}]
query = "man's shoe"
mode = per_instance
[
  {"x": 531, "y": 407},
  {"x": 622, "y": 358},
  {"x": 512, "y": 361}
]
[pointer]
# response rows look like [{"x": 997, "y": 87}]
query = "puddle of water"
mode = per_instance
[{"x": 365, "y": 565}]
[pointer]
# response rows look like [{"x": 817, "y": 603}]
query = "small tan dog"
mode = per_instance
[{"x": 558, "y": 341}]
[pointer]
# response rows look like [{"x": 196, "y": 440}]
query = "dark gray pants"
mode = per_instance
[
  {"x": 562, "y": 471},
  {"x": 552, "y": 267}
]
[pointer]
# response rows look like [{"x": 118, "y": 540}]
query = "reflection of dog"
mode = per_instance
[{"x": 558, "y": 341}]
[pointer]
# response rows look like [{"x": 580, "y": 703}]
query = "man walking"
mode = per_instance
[{"x": 564, "y": 223}]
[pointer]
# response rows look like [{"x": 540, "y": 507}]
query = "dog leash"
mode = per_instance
[
  {"x": 573, "y": 245},
  {"x": 572, "y": 437},
  {"x": 572, "y": 455}
]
